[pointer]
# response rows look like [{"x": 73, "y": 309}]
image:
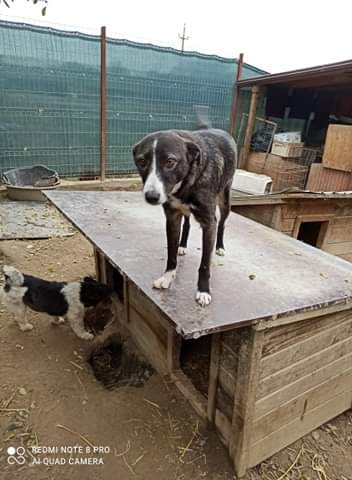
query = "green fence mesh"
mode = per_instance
[{"x": 49, "y": 97}]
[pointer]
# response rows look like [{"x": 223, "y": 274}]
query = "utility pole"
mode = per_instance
[{"x": 183, "y": 38}]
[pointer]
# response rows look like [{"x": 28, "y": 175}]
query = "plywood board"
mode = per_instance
[
  {"x": 338, "y": 148},
  {"x": 131, "y": 235}
]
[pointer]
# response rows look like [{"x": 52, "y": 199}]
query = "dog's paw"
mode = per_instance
[
  {"x": 57, "y": 321},
  {"x": 26, "y": 328},
  {"x": 203, "y": 298},
  {"x": 220, "y": 252},
  {"x": 181, "y": 251},
  {"x": 166, "y": 280}
]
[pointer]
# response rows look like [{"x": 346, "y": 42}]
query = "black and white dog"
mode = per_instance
[
  {"x": 62, "y": 300},
  {"x": 189, "y": 172}
]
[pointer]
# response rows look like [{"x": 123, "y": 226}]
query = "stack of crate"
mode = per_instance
[{"x": 285, "y": 164}]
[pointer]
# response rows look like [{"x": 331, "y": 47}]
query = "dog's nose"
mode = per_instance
[{"x": 152, "y": 197}]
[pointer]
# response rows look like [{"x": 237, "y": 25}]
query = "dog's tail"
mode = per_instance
[
  {"x": 202, "y": 117},
  {"x": 13, "y": 277}
]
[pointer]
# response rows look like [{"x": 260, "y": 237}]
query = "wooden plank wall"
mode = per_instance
[
  {"x": 305, "y": 380},
  {"x": 339, "y": 240},
  {"x": 149, "y": 329},
  {"x": 322, "y": 179},
  {"x": 229, "y": 356},
  {"x": 292, "y": 210}
]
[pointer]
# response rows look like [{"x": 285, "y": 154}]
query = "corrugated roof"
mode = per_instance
[{"x": 339, "y": 73}]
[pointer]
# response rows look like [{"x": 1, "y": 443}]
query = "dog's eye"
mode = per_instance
[
  {"x": 141, "y": 162},
  {"x": 170, "y": 162}
]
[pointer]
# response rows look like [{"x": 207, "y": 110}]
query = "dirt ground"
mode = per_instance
[{"x": 50, "y": 397}]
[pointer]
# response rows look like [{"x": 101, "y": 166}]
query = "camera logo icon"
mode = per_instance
[{"x": 16, "y": 455}]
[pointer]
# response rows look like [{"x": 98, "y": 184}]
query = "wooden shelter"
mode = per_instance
[
  {"x": 316, "y": 101},
  {"x": 278, "y": 333},
  {"x": 323, "y": 220}
]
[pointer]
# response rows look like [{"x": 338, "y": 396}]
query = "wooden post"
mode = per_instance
[
  {"x": 213, "y": 376},
  {"x": 245, "y": 395},
  {"x": 236, "y": 96},
  {"x": 97, "y": 264},
  {"x": 173, "y": 350},
  {"x": 250, "y": 126},
  {"x": 102, "y": 103}
]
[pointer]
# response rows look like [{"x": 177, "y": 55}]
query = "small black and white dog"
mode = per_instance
[
  {"x": 189, "y": 172},
  {"x": 62, "y": 300}
]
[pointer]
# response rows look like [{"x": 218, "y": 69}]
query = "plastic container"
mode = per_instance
[{"x": 27, "y": 183}]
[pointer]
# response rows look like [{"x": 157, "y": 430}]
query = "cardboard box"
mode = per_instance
[{"x": 287, "y": 150}]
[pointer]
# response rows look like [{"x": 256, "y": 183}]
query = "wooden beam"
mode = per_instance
[
  {"x": 173, "y": 350},
  {"x": 236, "y": 96},
  {"x": 188, "y": 390},
  {"x": 250, "y": 126},
  {"x": 245, "y": 395},
  {"x": 97, "y": 264},
  {"x": 102, "y": 103},
  {"x": 265, "y": 324},
  {"x": 213, "y": 376}
]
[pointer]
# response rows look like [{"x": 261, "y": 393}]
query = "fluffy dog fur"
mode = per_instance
[
  {"x": 189, "y": 172},
  {"x": 61, "y": 300}
]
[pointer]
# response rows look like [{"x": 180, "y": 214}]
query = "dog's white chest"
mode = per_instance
[{"x": 184, "y": 208}]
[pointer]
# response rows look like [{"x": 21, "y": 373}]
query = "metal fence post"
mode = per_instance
[
  {"x": 236, "y": 96},
  {"x": 102, "y": 103}
]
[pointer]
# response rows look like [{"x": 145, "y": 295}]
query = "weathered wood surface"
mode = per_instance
[
  {"x": 297, "y": 428},
  {"x": 304, "y": 379},
  {"x": 250, "y": 353},
  {"x": 286, "y": 218},
  {"x": 290, "y": 277},
  {"x": 215, "y": 357}
]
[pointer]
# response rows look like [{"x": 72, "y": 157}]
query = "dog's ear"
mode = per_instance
[
  {"x": 135, "y": 149},
  {"x": 193, "y": 152}
]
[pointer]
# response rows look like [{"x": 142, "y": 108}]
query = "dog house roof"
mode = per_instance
[{"x": 264, "y": 275}]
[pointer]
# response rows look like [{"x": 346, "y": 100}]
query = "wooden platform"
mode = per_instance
[
  {"x": 290, "y": 277},
  {"x": 279, "y": 330}
]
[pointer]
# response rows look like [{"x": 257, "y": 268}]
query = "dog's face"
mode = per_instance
[
  {"x": 164, "y": 161},
  {"x": 13, "y": 277}
]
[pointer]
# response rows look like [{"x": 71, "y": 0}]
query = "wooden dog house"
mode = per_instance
[
  {"x": 322, "y": 219},
  {"x": 279, "y": 328}
]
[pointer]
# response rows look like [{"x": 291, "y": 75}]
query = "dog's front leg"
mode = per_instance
[
  {"x": 184, "y": 237},
  {"x": 76, "y": 321},
  {"x": 203, "y": 296},
  {"x": 22, "y": 321},
  {"x": 173, "y": 228}
]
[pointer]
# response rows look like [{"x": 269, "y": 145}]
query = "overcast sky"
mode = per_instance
[{"x": 273, "y": 35}]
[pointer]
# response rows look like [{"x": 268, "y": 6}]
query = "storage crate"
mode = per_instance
[
  {"x": 285, "y": 173},
  {"x": 287, "y": 150}
]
